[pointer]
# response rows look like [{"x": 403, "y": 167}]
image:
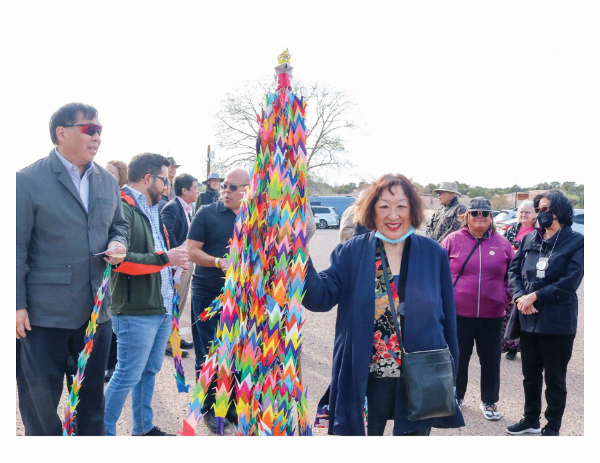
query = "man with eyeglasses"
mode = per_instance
[
  {"x": 142, "y": 297},
  {"x": 445, "y": 219},
  {"x": 69, "y": 225},
  {"x": 207, "y": 242},
  {"x": 177, "y": 216}
]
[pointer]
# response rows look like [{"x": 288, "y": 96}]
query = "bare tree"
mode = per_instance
[{"x": 327, "y": 120}]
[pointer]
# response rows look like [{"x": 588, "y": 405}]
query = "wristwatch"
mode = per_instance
[{"x": 217, "y": 262}]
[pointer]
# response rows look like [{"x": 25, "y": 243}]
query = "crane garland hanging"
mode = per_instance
[
  {"x": 174, "y": 338},
  {"x": 84, "y": 355},
  {"x": 259, "y": 336}
]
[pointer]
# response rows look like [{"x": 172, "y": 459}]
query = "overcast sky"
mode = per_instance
[{"x": 487, "y": 93}]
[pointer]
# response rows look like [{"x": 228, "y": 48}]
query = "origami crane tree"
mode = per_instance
[{"x": 259, "y": 337}]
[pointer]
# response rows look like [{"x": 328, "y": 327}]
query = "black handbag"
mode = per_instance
[
  {"x": 513, "y": 326},
  {"x": 427, "y": 376}
]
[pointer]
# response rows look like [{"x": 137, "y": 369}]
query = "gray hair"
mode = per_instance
[{"x": 525, "y": 205}]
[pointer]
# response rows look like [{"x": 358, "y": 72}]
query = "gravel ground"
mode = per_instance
[{"x": 170, "y": 407}]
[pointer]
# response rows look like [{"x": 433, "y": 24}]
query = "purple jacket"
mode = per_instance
[{"x": 482, "y": 290}]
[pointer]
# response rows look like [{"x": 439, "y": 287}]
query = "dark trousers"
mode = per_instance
[
  {"x": 203, "y": 333},
  {"x": 381, "y": 399},
  {"x": 45, "y": 356},
  {"x": 487, "y": 333},
  {"x": 112, "y": 353},
  {"x": 548, "y": 354}
]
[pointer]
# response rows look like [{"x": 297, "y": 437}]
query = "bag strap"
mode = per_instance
[
  {"x": 479, "y": 240},
  {"x": 389, "y": 293}
]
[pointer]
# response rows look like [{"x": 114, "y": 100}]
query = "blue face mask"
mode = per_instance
[{"x": 380, "y": 235}]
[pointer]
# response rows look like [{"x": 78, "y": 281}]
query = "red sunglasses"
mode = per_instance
[{"x": 88, "y": 129}]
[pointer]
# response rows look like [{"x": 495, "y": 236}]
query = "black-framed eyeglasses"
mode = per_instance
[
  {"x": 164, "y": 179},
  {"x": 88, "y": 129},
  {"x": 231, "y": 186},
  {"x": 483, "y": 213},
  {"x": 542, "y": 209}
]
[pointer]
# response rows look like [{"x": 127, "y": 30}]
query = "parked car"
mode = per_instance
[
  {"x": 578, "y": 221},
  {"x": 503, "y": 227},
  {"x": 505, "y": 219},
  {"x": 505, "y": 215},
  {"x": 325, "y": 217}
]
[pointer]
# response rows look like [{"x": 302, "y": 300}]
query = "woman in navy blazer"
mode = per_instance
[{"x": 366, "y": 363}]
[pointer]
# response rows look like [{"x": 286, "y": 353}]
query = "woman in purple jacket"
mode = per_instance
[{"x": 479, "y": 261}]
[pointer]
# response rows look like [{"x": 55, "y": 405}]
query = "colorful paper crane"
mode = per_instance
[
  {"x": 174, "y": 338},
  {"x": 84, "y": 355},
  {"x": 259, "y": 336}
]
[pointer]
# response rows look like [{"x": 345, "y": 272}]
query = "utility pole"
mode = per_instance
[{"x": 208, "y": 162}]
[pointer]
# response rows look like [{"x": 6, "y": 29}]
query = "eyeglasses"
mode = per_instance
[
  {"x": 164, "y": 179},
  {"x": 542, "y": 209},
  {"x": 477, "y": 213},
  {"x": 88, "y": 129},
  {"x": 231, "y": 186}
]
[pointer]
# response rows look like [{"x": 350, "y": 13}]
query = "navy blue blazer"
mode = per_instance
[
  {"x": 429, "y": 323},
  {"x": 173, "y": 217}
]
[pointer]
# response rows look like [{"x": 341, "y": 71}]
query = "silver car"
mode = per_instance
[{"x": 325, "y": 217}]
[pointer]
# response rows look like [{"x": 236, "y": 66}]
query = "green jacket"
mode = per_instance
[{"x": 136, "y": 281}]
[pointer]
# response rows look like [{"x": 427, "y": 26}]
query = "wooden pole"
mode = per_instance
[{"x": 208, "y": 162}]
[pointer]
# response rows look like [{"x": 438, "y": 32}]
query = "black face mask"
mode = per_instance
[{"x": 545, "y": 219}]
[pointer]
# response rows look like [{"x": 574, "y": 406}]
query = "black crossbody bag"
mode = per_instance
[{"x": 427, "y": 376}]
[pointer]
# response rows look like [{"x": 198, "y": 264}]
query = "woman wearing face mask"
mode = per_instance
[
  {"x": 526, "y": 217},
  {"x": 366, "y": 361},
  {"x": 479, "y": 260},
  {"x": 544, "y": 277}
]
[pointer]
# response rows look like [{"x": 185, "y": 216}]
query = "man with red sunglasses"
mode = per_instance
[{"x": 69, "y": 225}]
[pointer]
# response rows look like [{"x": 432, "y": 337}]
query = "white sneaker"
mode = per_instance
[{"x": 490, "y": 411}]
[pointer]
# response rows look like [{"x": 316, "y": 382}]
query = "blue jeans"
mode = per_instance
[{"x": 140, "y": 354}]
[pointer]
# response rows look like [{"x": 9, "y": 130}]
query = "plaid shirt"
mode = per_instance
[
  {"x": 445, "y": 220},
  {"x": 166, "y": 274}
]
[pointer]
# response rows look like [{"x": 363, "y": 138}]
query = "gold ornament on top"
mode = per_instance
[{"x": 284, "y": 57}]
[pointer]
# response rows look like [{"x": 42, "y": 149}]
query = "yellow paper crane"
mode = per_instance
[{"x": 284, "y": 57}]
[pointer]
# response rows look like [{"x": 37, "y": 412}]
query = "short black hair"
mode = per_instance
[
  {"x": 560, "y": 206},
  {"x": 67, "y": 115},
  {"x": 183, "y": 181},
  {"x": 146, "y": 163}
]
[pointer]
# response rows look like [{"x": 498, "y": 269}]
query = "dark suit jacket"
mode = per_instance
[
  {"x": 57, "y": 275},
  {"x": 173, "y": 217}
]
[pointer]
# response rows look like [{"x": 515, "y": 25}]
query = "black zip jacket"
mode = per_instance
[{"x": 556, "y": 291}]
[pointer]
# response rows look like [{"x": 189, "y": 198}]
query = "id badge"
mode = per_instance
[{"x": 541, "y": 266}]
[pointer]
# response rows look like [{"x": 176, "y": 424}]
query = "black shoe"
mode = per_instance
[
  {"x": 169, "y": 352},
  {"x": 108, "y": 374},
  {"x": 549, "y": 432},
  {"x": 211, "y": 421},
  {"x": 511, "y": 355},
  {"x": 156, "y": 432},
  {"x": 522, "y": 427},
  {"x": 186, "y": 344}
]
